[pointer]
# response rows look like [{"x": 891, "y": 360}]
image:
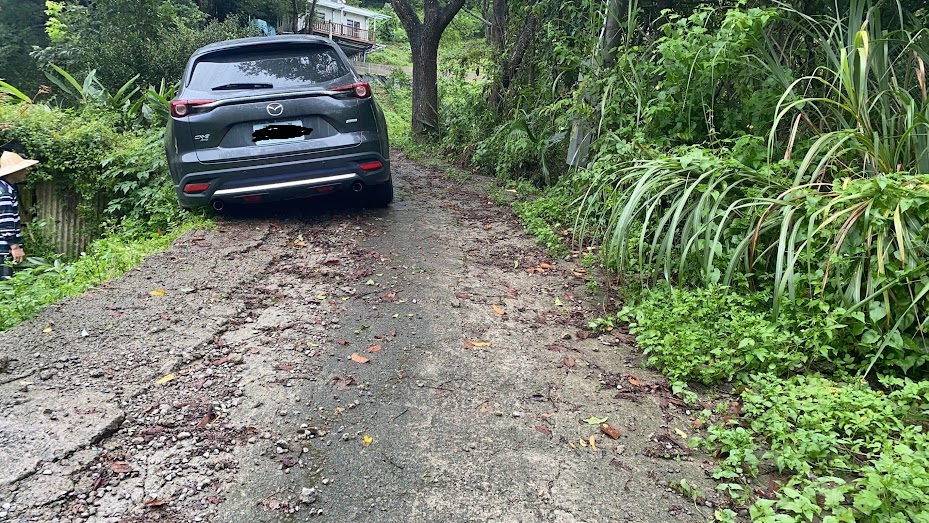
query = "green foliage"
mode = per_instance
[
  {"x": 855, "y": 453},
  {"x": 118, "y": 176},
  {"x": 544, "y": 218},
  {"x": 396, "y": 99},
  {"x": 712, "y": 335},
  {"x": 29, "y": 290}
]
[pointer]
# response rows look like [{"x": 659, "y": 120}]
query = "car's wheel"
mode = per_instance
[{"x": 380, "y": 195}]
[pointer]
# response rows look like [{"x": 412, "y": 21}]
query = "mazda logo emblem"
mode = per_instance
[{"x": 275, "y": 109}]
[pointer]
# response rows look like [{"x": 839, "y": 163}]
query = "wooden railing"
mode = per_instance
[{"x": 343, "y": 31}]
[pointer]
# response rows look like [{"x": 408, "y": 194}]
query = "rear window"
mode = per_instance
[{"x": 279, "y": 66}]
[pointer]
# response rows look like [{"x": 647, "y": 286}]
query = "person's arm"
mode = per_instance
[{"x": 10, "y": 230}]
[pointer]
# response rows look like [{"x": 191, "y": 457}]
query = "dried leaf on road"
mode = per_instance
[
  {"x": 121, "y": 467},
  {"x": 208, "y": 418},
  {"x": 543, "y": 429},
  {"x": 220, "y": 361},
  {"x": 593, "y": 420},
  {"x": 569, "y": 362},
  {"x": 546, "y": 266},
  {"x": 636, "y": 382},
  {"x": 593, "y": 443},
  {"x": 375, "y": 348},
  {"x": 610, "y": 430},
  {"x": 357, "y": 358},
  {"x": 155, "y": 503},
  {"x": 157, "y": 292},
  {"x": 342, "y": 342},
  {"x": 681, "y": 433},
  {"x": 470, "y": 344},
  {"x": 366, "y": 440},
  {"x": 166, "y": 379},
  {"x": 46, "y": 330},
  {"x": 499, "y": 310},
  {"x": 286, "y": 367},
  {"x": 390, "y": 296}
]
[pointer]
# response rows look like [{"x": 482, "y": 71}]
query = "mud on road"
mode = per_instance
[{"x": 319, "y": 362}]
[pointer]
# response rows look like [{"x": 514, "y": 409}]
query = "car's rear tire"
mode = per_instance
[{"x": 380, "y": 195}]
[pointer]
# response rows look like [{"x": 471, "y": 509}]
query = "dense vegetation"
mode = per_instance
[
  {"x": 758, "y": 177},
  {"x": 755, "y": 174}
]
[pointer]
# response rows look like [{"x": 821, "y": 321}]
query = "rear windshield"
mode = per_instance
[{"x": 279, "y": 66}]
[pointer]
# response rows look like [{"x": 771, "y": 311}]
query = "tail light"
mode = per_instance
[
  {"x": 181, "y": 108},
  {"x": 370, "y": 166},
  {"x": 360, "y": 90}
]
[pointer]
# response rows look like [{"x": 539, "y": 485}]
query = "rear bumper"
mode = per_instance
[{"x": 277, "y": 180}]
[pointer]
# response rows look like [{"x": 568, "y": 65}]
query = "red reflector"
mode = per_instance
[
  {"x": 370, "y": 166},
  {"x": 326, "y": 188},
  {"x": 196, "y": 187},
  {"x": 252, "y": 199}
]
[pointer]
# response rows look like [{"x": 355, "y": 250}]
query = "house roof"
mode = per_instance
[{"x": 339, "y": 6}]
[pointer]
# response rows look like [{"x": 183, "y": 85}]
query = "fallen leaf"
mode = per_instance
[
  {"x": 610, "y": 430},
  {"x": 375, "y": 348},
  {"x": 166, "y": 379},
  {"x": 470, "y": 344},
  {"x": 583, "y": 443},
  {"x": 593, "y": 443},
  {"x": 46, "y": 330},
  {"x": 543, "y": 429},
  {"x": 499, "y": 310},
  {"x": 154, "y": 503},
  {"x": 593, "y": 420},
  {"x": 697, "y": 423},
  {"x": 569, "y": 362},
  {"x": 366, "y": 440},
  {"x": 339, "y": 411},
  {"x": 681, "y": 433},
  {"x": 390, "y": 296},
  {"x": 558, "y": 303},
  {"x": 286, "y": 367},
  {"x": 636, "y": 382},
  {"x": 462, "y": 296},
  {"x": 157, "y": 292},
  {"x": 546, "y": 266},
  {"x": 121, "y": 467},
  {"x": 220, "y": 361},
  {"x": 208, "y": 418},
  {"x": 358, "y": 358},
  {"x": 369, "y": 282},
  {"x": 342, "y": 342},
  {"x": 571, "y": 444}
]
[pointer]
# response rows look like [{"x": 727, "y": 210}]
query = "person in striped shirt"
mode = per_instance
[{"x": 13, "y": 170}]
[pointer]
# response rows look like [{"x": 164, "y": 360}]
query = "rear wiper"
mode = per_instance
[{"x": 225, "y": 87}]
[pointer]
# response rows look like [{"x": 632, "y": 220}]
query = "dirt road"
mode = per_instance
[{"x": 426, "y": 362}]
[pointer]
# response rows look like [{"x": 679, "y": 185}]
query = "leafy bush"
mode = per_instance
[
  {"x": 855, "y": 453},
  {"x": 713, "y": 334}
]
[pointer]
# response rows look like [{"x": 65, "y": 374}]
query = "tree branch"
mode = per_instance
[
  {"x": 407, "y": 15},
  {"x": 447, "y": 13}
]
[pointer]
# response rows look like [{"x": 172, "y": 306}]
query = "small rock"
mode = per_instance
[
  {"x": 46, "y": 374},
  {"x": 308, "y": 495},
  {"x": 84, "y": 333},
  {"x": 236, "y": 359},
  {"x": 183, "y": 435},
  {"x": 456, "y": 303},
  {"x": 96, "y": 373},
  {"x": 170, "y": 365},
  {"x": 566, "y": 336},
  {"x": 47, "y": 472},
  {"x": 517, "y": 414}
]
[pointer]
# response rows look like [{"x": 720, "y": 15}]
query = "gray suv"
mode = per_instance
[{"x": 273, "y": 118}]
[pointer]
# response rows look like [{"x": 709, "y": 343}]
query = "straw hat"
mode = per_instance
[{"x": 11, "y": 163}]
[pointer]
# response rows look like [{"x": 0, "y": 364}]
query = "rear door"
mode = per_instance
[{"x": 273, "y": 100}]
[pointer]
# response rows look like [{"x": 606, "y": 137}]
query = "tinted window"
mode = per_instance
[{"x": 289, "y": 66}]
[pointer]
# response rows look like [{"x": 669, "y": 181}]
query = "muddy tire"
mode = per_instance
[{"x": 380, "y": 195}]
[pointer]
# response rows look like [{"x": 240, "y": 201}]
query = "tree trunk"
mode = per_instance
[
  {"x": 310, "y": 18},
  {"x": 296, "y": 23},
  {"x": 425, "y": 87},
  {"x": 424, "y": 45}
]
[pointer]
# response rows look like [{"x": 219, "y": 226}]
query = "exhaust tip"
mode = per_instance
[
  {"x": 357, "y": 187},
  {"x": 218, "y": 205}
]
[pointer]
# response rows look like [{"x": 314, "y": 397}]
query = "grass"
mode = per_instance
[{"x": 30, "y": 290}]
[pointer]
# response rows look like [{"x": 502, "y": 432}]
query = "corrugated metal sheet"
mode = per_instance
[{"x": 58, "y": 209}]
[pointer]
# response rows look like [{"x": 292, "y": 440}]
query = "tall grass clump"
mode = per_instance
[{"x": 838, "y": 212}]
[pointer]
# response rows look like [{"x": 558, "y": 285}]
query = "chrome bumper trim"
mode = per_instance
[{"x": 285, "y": 185}]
